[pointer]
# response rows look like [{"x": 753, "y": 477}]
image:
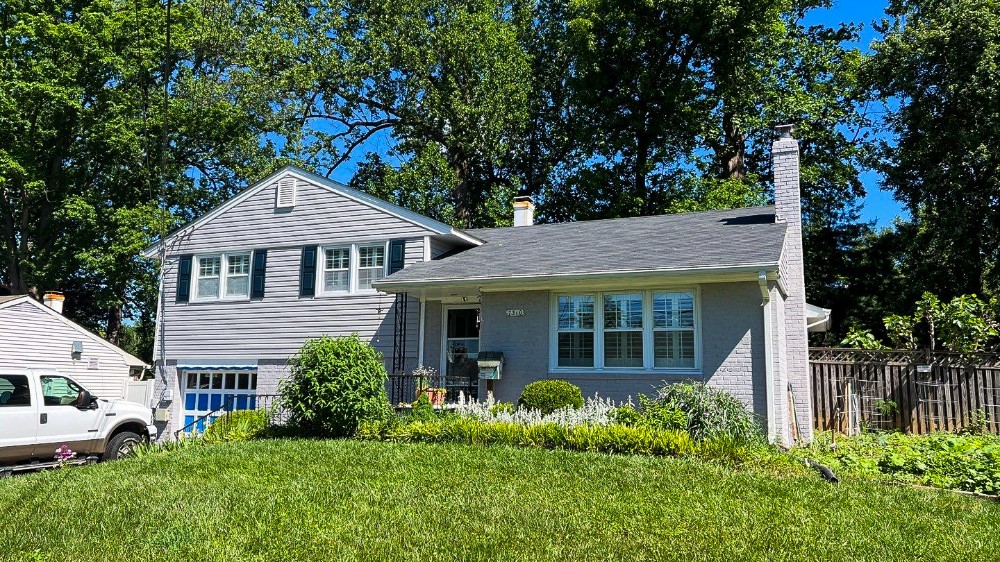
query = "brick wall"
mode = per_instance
[{"x": 788, "y": 209}]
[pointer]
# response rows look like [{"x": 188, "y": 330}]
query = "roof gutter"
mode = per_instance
[
  {"x": 765, "y": 295},
  {"x": 390, "y": 285}
]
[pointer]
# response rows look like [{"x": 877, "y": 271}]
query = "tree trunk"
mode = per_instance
[
  {"x": 733, "y": 150},
  {"x": 465, "y": 207},
  {"x": 114, "y": 330}
]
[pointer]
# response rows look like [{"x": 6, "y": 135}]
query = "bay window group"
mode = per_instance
[{"x": 637, "y": 330}]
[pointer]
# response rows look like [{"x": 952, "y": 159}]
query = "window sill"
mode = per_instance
[
  {"x": 225, "y": 299},
  {"x": 342, "y": 294},
  {"x": 615, "y": 372}
]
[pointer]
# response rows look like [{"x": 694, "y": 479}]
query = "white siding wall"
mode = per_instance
[{"x": 31, "y": 338}]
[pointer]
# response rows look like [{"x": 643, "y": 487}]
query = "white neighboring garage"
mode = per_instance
[{"x": 36, "y": 336}]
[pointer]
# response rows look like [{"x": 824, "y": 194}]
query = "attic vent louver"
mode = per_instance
[{"x": 286, "y": 193}]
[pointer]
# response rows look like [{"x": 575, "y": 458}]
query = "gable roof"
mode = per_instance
[
  {"x": 437, "y": 227},
  {"x": 11, "y": 301},
  {"x": 709, "y": 240}
]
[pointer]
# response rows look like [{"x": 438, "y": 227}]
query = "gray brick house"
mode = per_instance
[{"x": 614, "y": 306}]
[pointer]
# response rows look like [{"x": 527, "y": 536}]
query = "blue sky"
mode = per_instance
[{"x": 879, "y": 206}]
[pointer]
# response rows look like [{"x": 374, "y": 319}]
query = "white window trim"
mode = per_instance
[
  {"x": 223, "y": 277},
  {"x": 321, "y": 270},
  {"x": 647, "y": 334},
  {"x": 354, "y": 283}
]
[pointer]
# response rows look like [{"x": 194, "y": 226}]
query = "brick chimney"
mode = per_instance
[
  {"x": 524, "y": 211},
  {"x": 788, "y": 210}
]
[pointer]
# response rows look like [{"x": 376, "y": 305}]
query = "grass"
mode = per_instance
[{"x": 351, "y": 500}]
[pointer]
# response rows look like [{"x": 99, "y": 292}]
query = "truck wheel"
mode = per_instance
[{"x": 122, "y": 445}]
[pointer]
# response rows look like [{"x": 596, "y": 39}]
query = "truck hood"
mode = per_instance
[{"x": 125, "y": 408}]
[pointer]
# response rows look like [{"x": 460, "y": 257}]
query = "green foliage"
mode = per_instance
[
  {"x": 861, "y": 339},
  {"x": 241, "y": 425},
  {"x": 710, "y": 412},
  {"x": 335, "y": 384},
  {"x": 550, "y": 395},
  {"x": 960, "y": 462},
  {"x": 966, "y": 324},
  {"x": 627, "y": 415},
  {"x": 663, "y": 416},
  {"x": 615, "y": 439},
  {"x": 978, "y": 422},
  {"x": 423, "y": 410},
  {"x": 502, "y": 407},
  {"x": 936, "y": 66}
]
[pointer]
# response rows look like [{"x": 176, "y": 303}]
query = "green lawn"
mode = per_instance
[{"x": 344, "y": 500}]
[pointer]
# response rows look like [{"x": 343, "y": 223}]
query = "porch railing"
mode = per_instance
[{"x": 402, "y": 387}]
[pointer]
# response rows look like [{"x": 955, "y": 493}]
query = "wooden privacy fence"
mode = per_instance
[{"x": 911, "y": 390}]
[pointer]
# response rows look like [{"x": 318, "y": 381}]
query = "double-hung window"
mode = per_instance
[
  {"x": 351, "y": 268},
  {"x": 626, "y": 330},
  {"x": 623, "y": 330},
  {"x": 371, "y": 265},
  {"x": 222, "y": 276},
  {"x": 237, "y": 275},
  {"x": 575, "y": 338},
  {"x": 336, "y": 275},
  {"x": 209, "y": 276},
  {"x": 673, "y": 330}
]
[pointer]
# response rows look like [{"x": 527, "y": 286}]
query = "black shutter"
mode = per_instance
[
  {"x": 184, "y": 279},
  {"x": 257, "y": 274},
  {"x": 397, "y": 255},
  {"x": 307, "y": 280}
]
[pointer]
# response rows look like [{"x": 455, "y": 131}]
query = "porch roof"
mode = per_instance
[{"x": 740, "y": 240}]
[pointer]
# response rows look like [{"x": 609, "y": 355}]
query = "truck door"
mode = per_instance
[
  {"x": 63, "y": 420},
  {"x": 18, "y": 418}
]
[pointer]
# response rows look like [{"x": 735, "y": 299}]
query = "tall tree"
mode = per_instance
[
  {"x": 938, "y": 68},
  {"x": 87, "y": 139}
]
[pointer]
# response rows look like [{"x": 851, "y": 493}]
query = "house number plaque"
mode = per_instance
[{"x": 514, "y": 312}]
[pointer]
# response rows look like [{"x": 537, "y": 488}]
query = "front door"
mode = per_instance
[
  {"x": 65, "y": 423},
  {"x": 461, "y": 350}
]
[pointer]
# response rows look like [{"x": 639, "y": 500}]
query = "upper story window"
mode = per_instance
[
  {"x": 371, "y": 265},
  {"x": 336, "y": 273},
  {"x": 212, "y": 284},
  {"x": 351, "y": 268},
  {"x": 635, "y": 330}
]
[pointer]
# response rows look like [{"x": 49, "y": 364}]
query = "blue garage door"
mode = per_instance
[{"x": 209, "y": 391}]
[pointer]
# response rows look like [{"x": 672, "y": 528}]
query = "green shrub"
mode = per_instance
[
  {"x": 550, "y": 395},
  {"x": 335, "y": 384},
  {"x": 502, "y": 408},
  {"x": 662, "y": 416},
  {"x": 422, "y": 410},
  {"x": 615, "y": 439},
  {"x": 710, "y": 412},
  {"x": 627, "y": 415},
  {"x": 241, "y": 425}
]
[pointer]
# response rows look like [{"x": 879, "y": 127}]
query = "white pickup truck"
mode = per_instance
[{"x": 41, "y": 411}]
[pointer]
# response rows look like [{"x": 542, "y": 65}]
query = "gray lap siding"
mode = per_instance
[{"x": 732, "y": 346}]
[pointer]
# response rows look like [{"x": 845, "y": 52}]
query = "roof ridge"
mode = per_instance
[{"x": 640, "y": 217}]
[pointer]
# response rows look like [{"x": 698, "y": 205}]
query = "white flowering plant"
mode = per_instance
[{"x": 595, "y": 411}]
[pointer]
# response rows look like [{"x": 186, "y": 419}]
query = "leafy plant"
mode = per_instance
[
  {"x": 709, "y": 412},
  {"x": 861, "y": 339},
  {"x": 422, "y": 410},
  {"x": 978, "y": 422},
  {"x": 502, "y": 408},
  {"x": 886, "y": 407},
  {"x": 550, "y": 395},
  {"x": 627, "y": 415},
  {"x": 241, "y": 425},
  {"x": 335, "y": 384}
]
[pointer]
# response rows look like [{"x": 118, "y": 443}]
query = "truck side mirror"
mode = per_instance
[{"x": 84, "y": 400}]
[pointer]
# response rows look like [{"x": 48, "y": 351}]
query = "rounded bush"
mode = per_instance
[
  {"x": 550, "y": 395},
  {"x": 335, "y": 385}
]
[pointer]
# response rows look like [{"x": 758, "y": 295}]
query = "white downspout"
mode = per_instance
[
  {"x": 765, "y": 294},
  {"x": 420, "y": 333}
]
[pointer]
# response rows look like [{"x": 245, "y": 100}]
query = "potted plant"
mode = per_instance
[{"x": 424, "y": 379}]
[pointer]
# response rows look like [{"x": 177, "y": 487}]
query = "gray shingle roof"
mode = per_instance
[
  {"x": 688, "y": 241},
  {"x": 6, "y": 298}
]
